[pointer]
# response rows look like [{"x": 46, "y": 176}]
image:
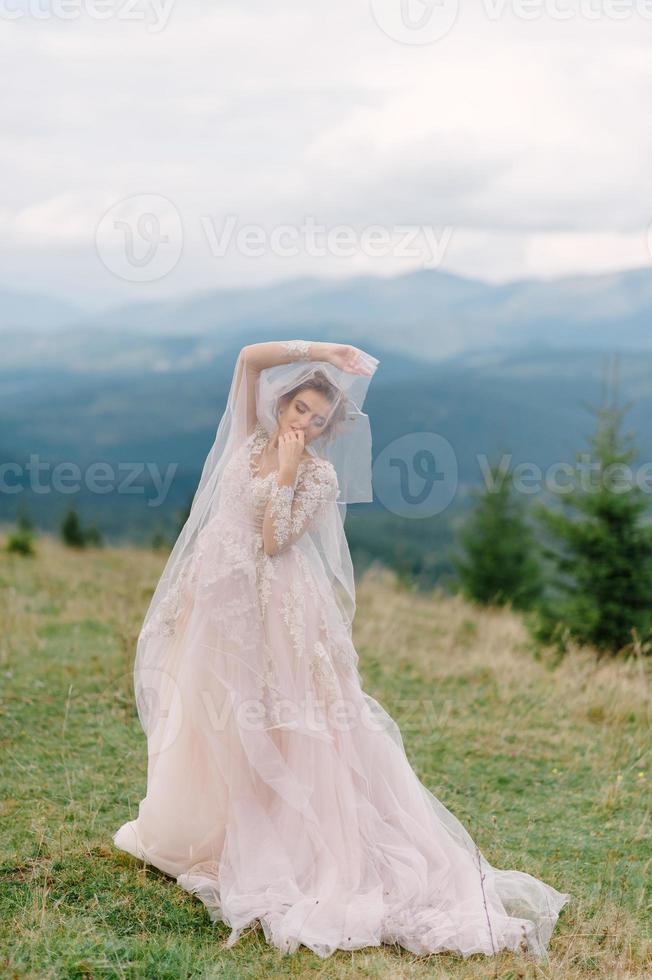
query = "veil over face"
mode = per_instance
[{"x": 255, "y": 401}]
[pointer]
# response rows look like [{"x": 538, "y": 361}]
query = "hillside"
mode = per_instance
[{"x": 547, "y": 765}]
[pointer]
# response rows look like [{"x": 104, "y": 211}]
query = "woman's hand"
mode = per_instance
[
  {"x": 290, "y": 451},
  {"x": 348, "y": 358}
]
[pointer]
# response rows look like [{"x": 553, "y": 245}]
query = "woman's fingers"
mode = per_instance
[
  {"x": 354, "y": 361},
  {"x": 294, "y": 435},
  {"x": 362, "y": 362},
  {"x": 292, "y": 443}
]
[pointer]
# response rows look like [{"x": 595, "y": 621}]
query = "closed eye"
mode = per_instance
[{"x": 319, "y": 421}]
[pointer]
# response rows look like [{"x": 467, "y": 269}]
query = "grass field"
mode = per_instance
[{"x": 546, "y": 764}]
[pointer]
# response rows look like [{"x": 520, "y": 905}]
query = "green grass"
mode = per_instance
[{"x": 547, "y": 765}]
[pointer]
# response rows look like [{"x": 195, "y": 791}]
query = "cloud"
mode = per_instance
[{"x": 528, "y": 138}]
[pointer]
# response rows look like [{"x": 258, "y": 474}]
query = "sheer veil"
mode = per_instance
[
  {"x": 347, "y": 446},
  {"x": 316, "y": 825}
]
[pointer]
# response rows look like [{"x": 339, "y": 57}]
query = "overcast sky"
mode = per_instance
[{"x": 498, "y": 140}]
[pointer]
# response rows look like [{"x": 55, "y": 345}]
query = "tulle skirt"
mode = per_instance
[{"x": 279, "y": 792}]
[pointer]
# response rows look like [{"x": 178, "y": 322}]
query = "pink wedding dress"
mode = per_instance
[{"x": 278, "y": 791}]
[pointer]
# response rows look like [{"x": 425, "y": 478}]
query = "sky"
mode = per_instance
[{"x": 152, "y": 148}]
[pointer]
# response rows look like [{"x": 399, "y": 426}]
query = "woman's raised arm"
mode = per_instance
[
  {"x": 344, "y": 356},
  {"x": 254, "y": 358},
  {"x": 260, "y": 356}
]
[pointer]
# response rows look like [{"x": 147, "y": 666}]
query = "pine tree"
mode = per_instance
[
  {"x": 500, "y": 564},
  {"x": 21, "y": 541},
  {"x": 601, "y": 591},
  {"x": 71, "y": 530}
]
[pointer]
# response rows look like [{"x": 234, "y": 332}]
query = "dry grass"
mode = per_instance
[{"x": 546, "y": 763}]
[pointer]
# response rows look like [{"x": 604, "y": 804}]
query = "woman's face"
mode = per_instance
[{"x": 307, "y": 410}]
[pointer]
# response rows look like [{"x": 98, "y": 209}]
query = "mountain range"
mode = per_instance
[
  {"x": 491, "y": 369},
  {"x": 428, "y": 313}
]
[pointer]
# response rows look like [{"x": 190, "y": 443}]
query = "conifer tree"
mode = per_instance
[
  {"x": 71, "y": 530},
  {"x": 601, "y": 549},
  {"x": 499, "y": 564},
  {"x": 21, "y": 541}
]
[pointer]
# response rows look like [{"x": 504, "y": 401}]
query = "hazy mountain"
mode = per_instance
[
  {"x": 35, "y": 311},
  {"x": 430, "y": 313},
  {"x": 529, "y": 404},
  {"x": 489, "y": 368}
]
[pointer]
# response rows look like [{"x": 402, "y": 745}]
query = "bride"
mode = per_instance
[{"x": 278, "y": 791}]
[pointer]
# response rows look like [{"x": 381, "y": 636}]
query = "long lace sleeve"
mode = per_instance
[{"x": 293, "y": 509}]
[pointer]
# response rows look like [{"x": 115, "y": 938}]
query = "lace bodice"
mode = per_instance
[
  {"x": 236, "y": 529},
  {"x": 294, "y": 508}
]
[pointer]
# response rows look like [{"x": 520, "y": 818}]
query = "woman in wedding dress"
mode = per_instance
[{"x": 279, "y": 792}]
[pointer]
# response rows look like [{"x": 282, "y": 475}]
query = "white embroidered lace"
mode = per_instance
[
  {"x": 297, "y": 350},
  {"x": 232, "y": 546},
  {"x": 294, "y": 508}
]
